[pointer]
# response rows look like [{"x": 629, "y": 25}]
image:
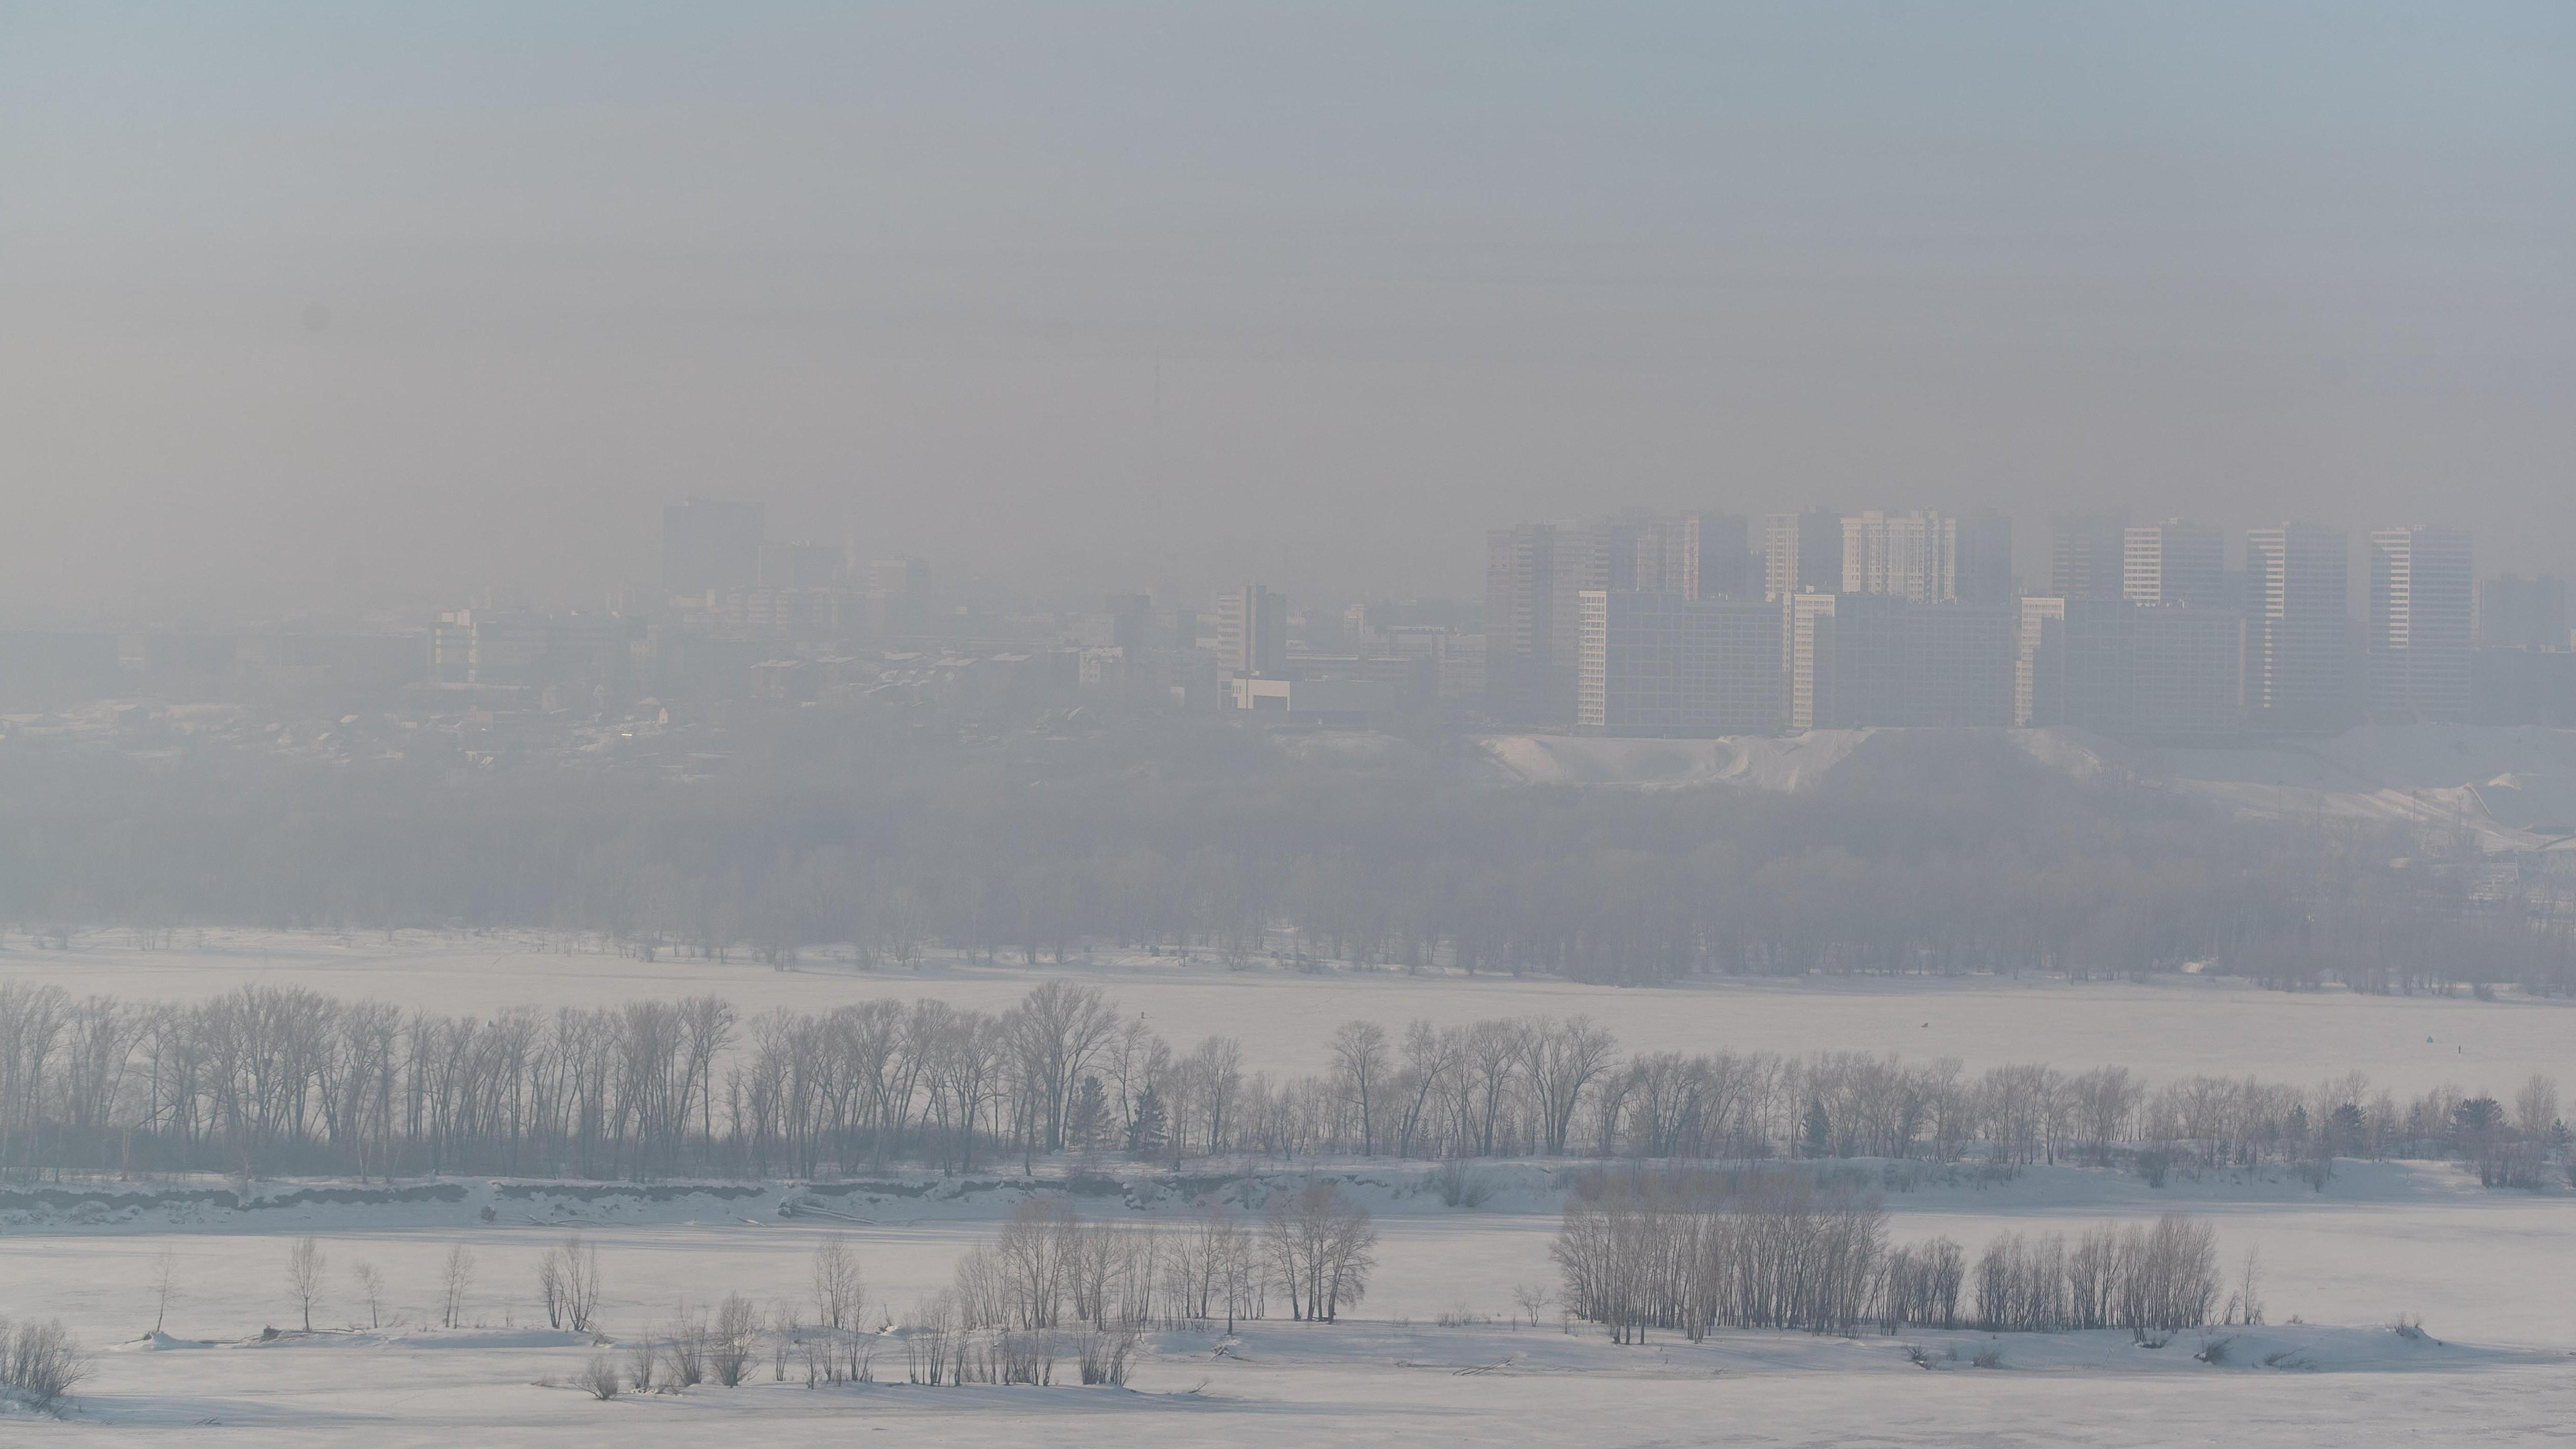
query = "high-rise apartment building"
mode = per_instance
[
  {"x": 2422, "y": 624},
  {"x": 1912, "y": 556},
  {"x": 1697, "y": 555},
  {"x": 1663, "y": 664},
  {"x": 1520, "y": 625},
  {"x": 2120, "y": 668},
  {"x": 1535, "y": 577},
  {"x": 2039, "y": 665},
  {"x": 1802, "y": 551},
  {"x": 1929, "y": 558},
  {"x": 1595, "y": 554},
  {"x": 2085, "y": 555},
  {"x": 1251, "y": 633},
  {"x": 1981, "y": 569},
  {"x": 2519, "y": 613},
  {"x": 1662, "y": 563},
  {"x": 2174, "y": 562},
  {"x": 2186, "y": 671},
  {"x": 1810, "y": 647},
  {"x": 1880, "y": 659},
  {"x": 1958, "y": 665},
  {"x": 2298, "y": 579},
  {"x": 710, "y": 544}
]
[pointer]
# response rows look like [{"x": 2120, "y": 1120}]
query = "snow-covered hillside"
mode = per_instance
[{"x": 2514, "y": 786}]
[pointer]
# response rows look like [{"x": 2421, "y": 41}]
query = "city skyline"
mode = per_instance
[
  {"x": 286, "y": 339},
  {"x": 1631, "y": 623}
]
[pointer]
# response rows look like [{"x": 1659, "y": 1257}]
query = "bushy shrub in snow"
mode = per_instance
[{"x": 40, "y": 1363}]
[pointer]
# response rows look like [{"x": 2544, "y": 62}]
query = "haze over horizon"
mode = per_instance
[{"x": 375, "y": 307}]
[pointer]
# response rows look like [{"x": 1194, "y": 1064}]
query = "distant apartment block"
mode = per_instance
[
  {"x": 1810, "y": 647},
  {"x": 1322, "y": 701},
  {"x": 2187, "y": 671},
  {"x": 1911, "y": 556},
  {"x": 1665, "y": 664},
  {"x": 1520, "y": 626},
  {"x": 1593, "y": 555},
  {"x": 1880, "y": 659},
  {"x": 1982, "y": 559},
  {"x": 1802, "y": 551},
  {"x": 1698, "y": 556},
  {"x": 2174, "y": 562},
  {"x": 2422, "y": 624},
  {"x": 521, "y": 648},
  {"x": 2085, "y": 556},
  {"x": 2298, "y": 579},
  {"x": 2119, "y": 668},
  {"x": 1929, "y": 558},
  {"x": 1535, "y": 577},
  {"x": 1251, "y": 632}
]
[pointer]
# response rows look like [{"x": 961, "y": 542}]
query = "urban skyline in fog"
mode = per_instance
[
  {"x": 750, "y": 723},
  {"x": 392, "y": 307}
]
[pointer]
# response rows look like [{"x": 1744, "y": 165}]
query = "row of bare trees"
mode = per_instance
[
  {"x": 274, "y": 1081},
  {"x": 2144, "y": 1277},
  {"x": 1051, "y": 1268},
  {"x": 1686, "y": 1251},
  {"x": 1053, "y": 1285}
]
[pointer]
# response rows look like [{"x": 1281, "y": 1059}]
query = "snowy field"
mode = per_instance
[
  {"x": 2486, "y": 1272},
  {"x": 2166, "y": 1029}
]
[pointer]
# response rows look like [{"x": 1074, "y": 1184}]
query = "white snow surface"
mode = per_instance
[
  {"x": 2485, "y": 1271},
  {"x": 2378, "y": 1241}
]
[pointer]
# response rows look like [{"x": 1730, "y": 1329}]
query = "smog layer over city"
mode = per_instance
[{"x": 1306, "y": 724}]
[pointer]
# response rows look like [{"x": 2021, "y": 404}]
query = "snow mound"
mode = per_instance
[
  {"x": 1493, "y": 1349},
  {"x": 2285, "y": 1348},
  {"x": 2515, "y": 786},
  {"x": 1759, "y": 762},
  {"x": 418, "y": 1338},
  {"x": 159, "y": 1342}
]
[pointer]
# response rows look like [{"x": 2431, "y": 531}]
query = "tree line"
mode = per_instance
[
  {"x": 1922, "y": 853},
  {"x": 280, "y": 1081},
  {"x": 1686, "y": 1251}
]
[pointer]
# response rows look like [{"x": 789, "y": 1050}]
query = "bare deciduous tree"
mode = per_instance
[
  {"x": 371, "y": 1289},
  {"x": 1361, "y": 1063},
  {"x": 641, "y": 1361},
  {"x": 304, "y": 1281},
  {"x": 735, "y": 1339},
  {"x": 838, "y": 1287},
  {"x": 569, "y": 1284},
  {"x": 1532, "y": 1300},
  {"x": 165, "y": 1285},
  {"x": 455, "y": 1280},
  {"x": 1322, "y": 1248},
  {"x": 684, "y": 1348}
]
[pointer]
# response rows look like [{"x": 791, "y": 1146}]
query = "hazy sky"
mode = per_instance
[{"x": 349, "y": 302}]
